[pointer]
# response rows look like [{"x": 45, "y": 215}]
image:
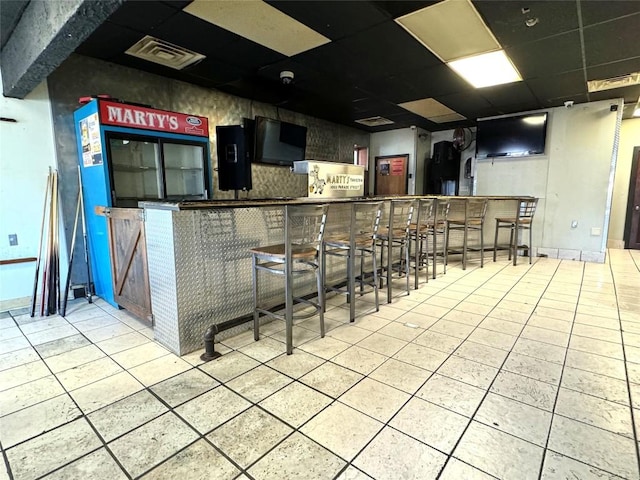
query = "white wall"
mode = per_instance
[
  {"x": 394, "y": 142},
  {"x": 629, "y": 138},
  {"x": 571, "y": 180},
  {"x": 26, "y": 152}
]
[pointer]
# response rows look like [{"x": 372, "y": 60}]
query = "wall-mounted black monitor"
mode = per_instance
[
  {"x": 279, "y": 143},
  {"x": 512, "y": 136}
]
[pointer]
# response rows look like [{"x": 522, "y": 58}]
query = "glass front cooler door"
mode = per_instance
[{"x": 184, "y": 167}]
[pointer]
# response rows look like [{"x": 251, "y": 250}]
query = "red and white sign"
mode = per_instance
[{"x": 132, "y": 116}]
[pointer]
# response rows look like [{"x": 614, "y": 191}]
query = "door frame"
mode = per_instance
[
  {"x": 635, "y": 165},
  {"x": 375, "y": 171}
]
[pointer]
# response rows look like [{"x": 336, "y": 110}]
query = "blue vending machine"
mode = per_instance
[{"x": 130, "y": 153}]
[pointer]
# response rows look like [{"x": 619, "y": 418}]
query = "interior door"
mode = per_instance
[
  {"x": 632, "y": 225},
  {"x": 391, "y": 175}
]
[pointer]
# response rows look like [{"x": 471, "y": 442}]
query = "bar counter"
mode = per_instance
[{"x": 200, "y": 266}]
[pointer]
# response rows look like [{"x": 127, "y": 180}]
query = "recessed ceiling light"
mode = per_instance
[
  {"x": 260, "y": 22},
  {"x": 628, "y": 80},
  {"x": 487, "y": 69}
]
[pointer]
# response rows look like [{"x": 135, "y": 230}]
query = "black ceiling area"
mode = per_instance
[{"x": 371, "y": 64}]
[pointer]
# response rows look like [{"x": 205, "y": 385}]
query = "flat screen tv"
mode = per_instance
[
  {"x": 279, "y": 143},
  {"x": 512, "y": 136}
]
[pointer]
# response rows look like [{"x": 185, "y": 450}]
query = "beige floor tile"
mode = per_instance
[
  {"x": 62, "y": 345},
  {"x": 183, "y": 387},
  {"x": 438, "y": 341},
  {"x": 268, "y": 348},
  {"x": 124, "y": 415},
  {"x": 326, "y": 347},
  {"x": 87, "y": 373},
  {"x": 516, "y": 418},
  {"x": 401, "y": 331},
  {"x": 601, "y": 386},
  {"x": 106, "y": 391},
  {"x": 74, "y": 358},
  {"x": 51, "y": 450},
  {"x": 545, "y": 311},
  {"x": 382, "y": 344},
  {"x": 594, "y": 446},
  {"x": 17, "y": 358},
  {"x": 26, "y": 373},
  {"x": 349, "y": 333},
  {"x": 527, "y": 390},
  {"x": 375, "y": 399},
  {"x": 401, "y": 375},
  {"x": 29, "y": 394},
  {"x": 453, "y": 329},
  {"x": 452, "y": 394},
  {"x": 371, "y": 322},
  {"x": 464, "y": 317},
  {"x": 297, "y": 364},
  {"x": 545, "y": 335},
  {"x": 586, "y": 319},
  {"x": 95, "y": 322},
  {"x": 421, "y": 357},
  {"x": 492, "y": 339},
  {"x": 509, "y": 315},
  {"x": 258, "y": 383},
  {"x": 498, "y": 453},
  {"x": 37, "y": 419},
  {"x": 467, "y": 371},
  {"x": 352, "y": 473},
  {"x": 418, "y": 417},
  {"x": 341, "y": 429},
  {"x": 107, "y": 332},
  {"x": 393, "y": 454},
  {"x": 484, "y": 354},
  {"x": 38, "y": 325},
  {"x": 297, "y": 457},
  {"x": 296, "y": 403},
  {"x": 150, "y": 444},
  {"x": 388, "y": 312},
  {"x": 51, "y": 334},
  {"x": 199, "y": 460},
  {"x": 135, "y": 356},
  {"x": 229, "y": 366},
  {"x": 359, "y": 359},
  {"x": 213, "y": 408},
  {"x": 431, "y": 310},
  {"x": 595, "y": 411},
  {"x": 501, "y": 326},
  {"x": 419, "y": 320},
  {"x": 533, "y": 368},
  {"x": 331, "y": 379},
  {"x": 596, "y": 364},
  {"x": 98, "y": 465},
  {"x": 160, "y": 369},
  {"x": 558, "y": 466},
  {"x": 457, "y": 470},
  {"x": 599, "y": 347},
  {"x": 599, "y": 333},
  {"x": 543, "y": 351}
]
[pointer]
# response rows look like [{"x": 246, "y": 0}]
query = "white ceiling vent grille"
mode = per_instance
[
  {"x": 615, "y": 82},
  {"x": 164, "y": 53},
  {"x": 375, "y": 121}
]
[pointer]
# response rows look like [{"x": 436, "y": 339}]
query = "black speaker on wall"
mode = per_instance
[
  {"x": 235, "y": 152},
  {"x": 443, "y": 166}
]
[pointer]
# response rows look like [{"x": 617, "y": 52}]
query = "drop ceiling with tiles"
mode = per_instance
[{"x": 355, "y": 60}]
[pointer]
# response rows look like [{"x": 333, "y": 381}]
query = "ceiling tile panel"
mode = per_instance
[
  {"x": 613, "y": 69},
  {"x": 566, "y": 84},
  {"x": 596, "y": 11},
  {"x": 549, "y": 56},
  {"x": 507, "y": 22},
  {"x": 466, "y": 103},
  {"x": 142, "y": 16},
  {"x": 630, "y": 94},
  {"x": 334, "y": 20},
  {"x": 436, "y": 81},
  {"x": 508, "y": 94},
  {"x": 397, "y": 8},
  {"x": 622, "y": 40},
  {"x": 108, "y": 41}
]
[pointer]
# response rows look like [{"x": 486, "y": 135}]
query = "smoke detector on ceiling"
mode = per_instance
[
  {"x": 375, "y": 121},
  {"x": 164, "y": 53}
]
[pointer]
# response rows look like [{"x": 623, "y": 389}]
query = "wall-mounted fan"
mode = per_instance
[{"x": 462, "y": 138}]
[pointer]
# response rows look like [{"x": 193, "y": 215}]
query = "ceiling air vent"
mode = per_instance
[
  {"x": 616, "y": 82},
  {"x": 374, "y": 121},
  {"x": 164, "y": 53}
]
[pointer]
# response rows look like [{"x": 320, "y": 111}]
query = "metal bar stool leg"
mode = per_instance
[
  {"x": 256, "y": 315},
  {"x": 495, "y": 240}
]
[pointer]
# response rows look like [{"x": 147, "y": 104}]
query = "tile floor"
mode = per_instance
[{"x": 527, "y": 372}]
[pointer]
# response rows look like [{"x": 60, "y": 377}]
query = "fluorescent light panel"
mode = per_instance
[
  {"x": 451, "y": 29},
  {"x": 493, "y": 68},
  {"x": 433, "y": 110},
  {"x": 259, "y": 22}
]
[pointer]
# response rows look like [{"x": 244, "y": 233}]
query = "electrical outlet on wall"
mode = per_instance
[{"x": 596, "y": 231}]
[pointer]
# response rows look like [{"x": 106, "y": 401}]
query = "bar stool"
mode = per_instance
[
  {"x": 364, "y": 221},
  {"x": 299, "y": 254},
  {"x": 396, "y": 234},
  {"x": 475, "y": 210},
  {"x": 431, "y": 221},
  {"x": 522, "y": 221}
]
